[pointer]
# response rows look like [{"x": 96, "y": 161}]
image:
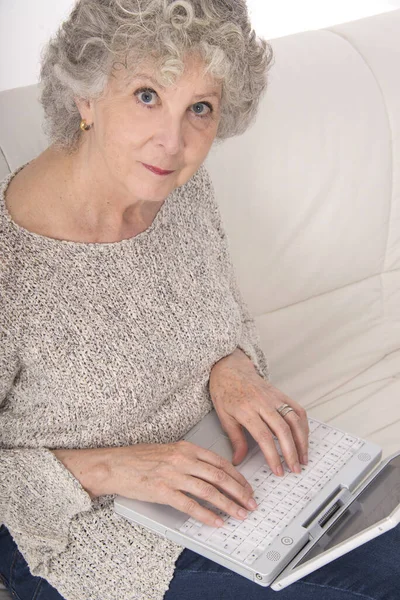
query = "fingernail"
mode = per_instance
[
  {"x": 252, "y": 503},
  {"x": 304, "y": 459},
  {"x": 279, "y": 470},
  {"x": 242, "y": 512},
  {"x": 296, "y": 467}
]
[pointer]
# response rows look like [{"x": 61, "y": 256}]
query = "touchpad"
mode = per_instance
[{"x": 223, "y": 446}]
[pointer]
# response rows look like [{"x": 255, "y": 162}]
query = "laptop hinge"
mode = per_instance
[{"x": 316, "y": 522}]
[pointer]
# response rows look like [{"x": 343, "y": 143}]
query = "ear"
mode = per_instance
[{"x": 85, "y": 108}]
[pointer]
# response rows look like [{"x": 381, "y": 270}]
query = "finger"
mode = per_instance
[
  {"x": 237, "y": 438},
  {"x": 219, "y": 478},
  {"x": 208, "y": 492},
  {"x": 301, "y": 412},
  {"x": 300, "y": 432},
  {"x": 283, "y": 432},
  {"x": 221, "y": 463},
  {"x": 190, "y": 506},
  {"x": 260, "y": 431}
]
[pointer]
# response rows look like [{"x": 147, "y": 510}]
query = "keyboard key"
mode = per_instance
[
  {"x": 266, "y": 471},
  {"x": 296, "y": 495},
  {"x": 348, "y": 440},
  {"x": 186, "y": 527},
  {"x": 264, "y": 489},
  {"x": 272, "y": 520},
  {"x": 288, "y": 504},
  {"x": 254, "y": 518},
  {"x": 243, "y": 551},
  {"x": 312, "y": 425},
  {"x": 229, "y": 546},
  {"x": 256, "y": 537},
  {"x": 220, "y": 534},
  {"x": 273, "y": 481},
  {"x": 334, "y": 436},
  {"x": 357, "y": 445},
  {"x": 270, "y": 501},
  {"x": 253, "y": 556},
  {"x": 333, "y": 455},
  {"x": 231, "y": 524},
  {"x": 278, "y": 493},
  {"x": 326, "y": 463},
  {"x": 259, "y": 496},
  {"x": 238, "y": 537},
  {"x": 280, "y": 511},
  {"x": 216, "y": 542},
  {"x": 194, "y": 522},
  {"x": 255, "y": 481},
  {"x": 321, "y": 432},
  {"x": 263, "y": 510},
  {"x": 288, "y": 484},
  {"x": 264, "y": 528},
  {"x": 202, "y": 533},
  {"x": 280, "y": 499},
  {"x": 265, "y": 543},
  {"x": 245, "y": 528}
]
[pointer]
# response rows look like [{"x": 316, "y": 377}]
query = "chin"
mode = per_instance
[{"x": 154, "y": 193}]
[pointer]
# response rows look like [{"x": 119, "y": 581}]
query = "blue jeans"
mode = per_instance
[
  {"x": 16, "y": 576},
  {"x": 370, "y": 572}
]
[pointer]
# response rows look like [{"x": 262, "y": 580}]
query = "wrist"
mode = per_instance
[
  {"x": 91, "y": 466},
  {"x": 238, "y": 359}
]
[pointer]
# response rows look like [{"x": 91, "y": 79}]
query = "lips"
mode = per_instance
[{"x": 157, "y": 170}]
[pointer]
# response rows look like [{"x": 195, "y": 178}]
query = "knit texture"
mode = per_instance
[{"x": 108, "y": 344}]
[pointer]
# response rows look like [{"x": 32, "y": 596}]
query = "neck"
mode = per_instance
[{"x": 97, "y": 200}]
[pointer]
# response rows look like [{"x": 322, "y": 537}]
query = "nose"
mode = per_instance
[{"x": 170, "y": 135}]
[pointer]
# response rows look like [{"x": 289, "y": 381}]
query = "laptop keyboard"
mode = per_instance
[{"x": 279, "y": 499}]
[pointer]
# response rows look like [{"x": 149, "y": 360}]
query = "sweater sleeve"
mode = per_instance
[
  {"x": 38, "y": 495},
  {"x": 249, "y": 342}
]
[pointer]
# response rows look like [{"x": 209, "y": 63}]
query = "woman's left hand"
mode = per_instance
[{"x": 242, "y": 398}]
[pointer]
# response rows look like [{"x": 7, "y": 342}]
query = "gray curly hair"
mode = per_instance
[{"x": 102, "y": 35}]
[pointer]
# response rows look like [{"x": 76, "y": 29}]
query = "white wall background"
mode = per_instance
[{"x": 26, "y": 25}]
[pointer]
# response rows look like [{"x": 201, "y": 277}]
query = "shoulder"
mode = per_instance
[
  {"x": 201, "y": 206},
  {"x": 5, "y": 230},
  {"x": 200, "y": 189},
  {"x": 12, "y": 247},
  {"x": 204, "y": 181}
]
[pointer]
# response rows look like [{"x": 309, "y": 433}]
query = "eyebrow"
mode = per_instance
[{"x": 158, "y": 84}]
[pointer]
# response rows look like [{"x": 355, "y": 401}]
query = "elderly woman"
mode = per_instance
[{"x": 121, "y": 322}]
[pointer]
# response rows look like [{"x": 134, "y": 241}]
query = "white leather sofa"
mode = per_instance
[{"x": 310, "y": 197}]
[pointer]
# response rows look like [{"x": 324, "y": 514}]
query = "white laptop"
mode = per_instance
[{"x": 342, "y": 499}]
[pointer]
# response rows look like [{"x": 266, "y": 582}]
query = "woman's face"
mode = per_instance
[{"x": 137, "y": 121}]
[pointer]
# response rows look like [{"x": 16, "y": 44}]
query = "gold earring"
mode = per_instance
[{"x": 84, "y": 126}]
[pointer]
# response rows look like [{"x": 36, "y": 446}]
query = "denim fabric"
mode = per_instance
[
  {"x": 370, "y": 572},
  {"x": 16, "y": 576}
]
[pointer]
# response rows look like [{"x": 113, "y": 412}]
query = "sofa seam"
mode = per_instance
[
  {"x": 391, "y": 207},
  {"x": 342, "y": 36},
  {"x": 5, "y": 158},
  {"x": 329, "y": 291}
]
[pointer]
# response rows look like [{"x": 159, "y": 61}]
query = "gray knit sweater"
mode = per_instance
[{"x": 108, "y": 344}]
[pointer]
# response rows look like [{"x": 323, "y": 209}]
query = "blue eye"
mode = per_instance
[
  {"x": 199, "y": 104},
  {"x": 147, "y": 92}
]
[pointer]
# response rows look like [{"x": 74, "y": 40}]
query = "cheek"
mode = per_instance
[{"x": 120, "y": 135}]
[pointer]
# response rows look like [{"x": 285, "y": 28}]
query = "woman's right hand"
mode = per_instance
[{"x": 161, "y": 473}]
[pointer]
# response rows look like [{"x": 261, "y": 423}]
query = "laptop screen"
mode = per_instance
[{"x": 375, "y": 503}]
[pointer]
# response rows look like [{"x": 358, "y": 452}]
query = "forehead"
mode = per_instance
[{"x": 194, "y": 76}]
